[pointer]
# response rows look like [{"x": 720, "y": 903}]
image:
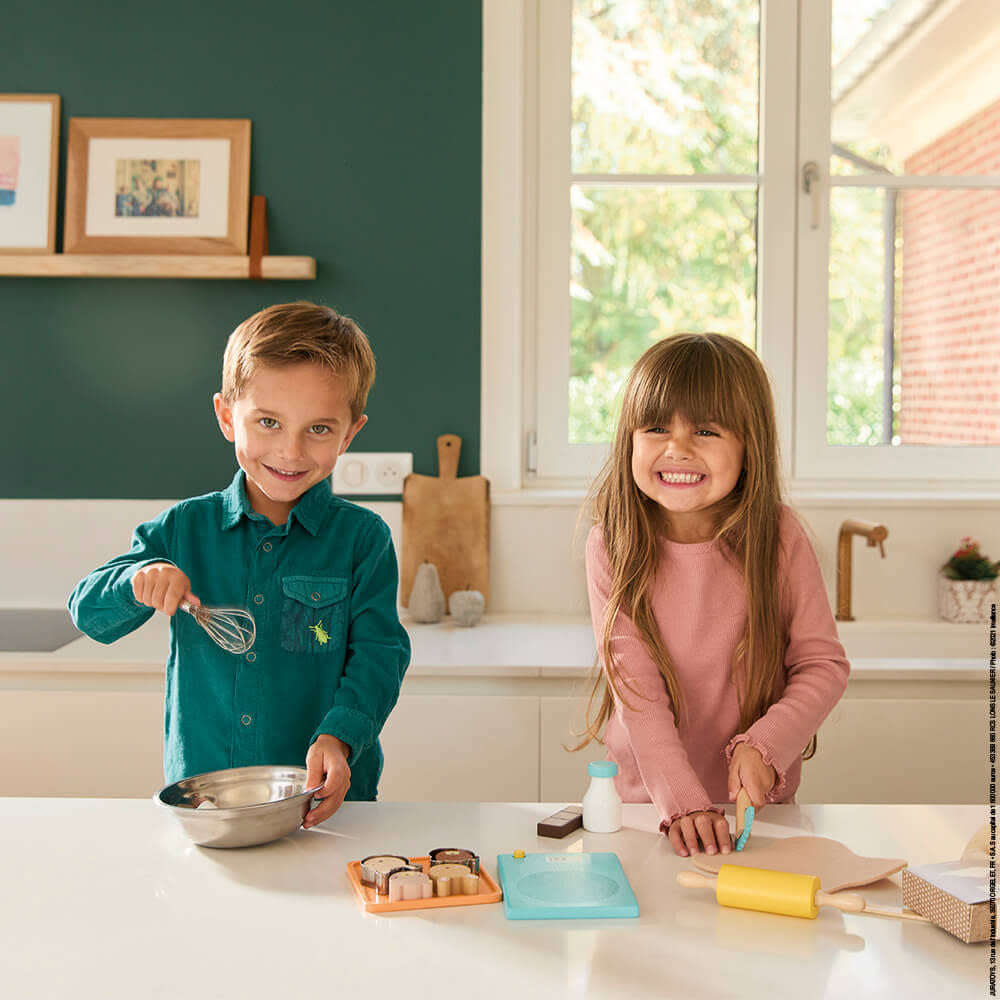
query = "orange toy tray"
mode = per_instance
[{"x": 380, "y": 904}]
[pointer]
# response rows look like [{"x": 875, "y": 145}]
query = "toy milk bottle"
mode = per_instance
[{"x": 602, "y": 805}]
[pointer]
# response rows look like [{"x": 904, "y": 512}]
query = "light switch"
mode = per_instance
[
  {"x": 353, "y": 472},
  {"x": 375, "y": 473}
]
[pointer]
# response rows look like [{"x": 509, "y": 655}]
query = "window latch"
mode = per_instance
[{"x": 811, "y": 186}]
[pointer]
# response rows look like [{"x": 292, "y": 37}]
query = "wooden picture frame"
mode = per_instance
[
  {"x": 157, "y": 186},
  {"x": 29, "y": 172}
]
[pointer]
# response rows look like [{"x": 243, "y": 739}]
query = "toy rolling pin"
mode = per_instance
[{"x": 781, "y": 892}]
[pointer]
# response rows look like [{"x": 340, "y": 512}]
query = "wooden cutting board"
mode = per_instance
[{"x": 446, "y": 521}]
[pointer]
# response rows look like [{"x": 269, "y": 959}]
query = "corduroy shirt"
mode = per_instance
[{"x": 330, "y": 652}]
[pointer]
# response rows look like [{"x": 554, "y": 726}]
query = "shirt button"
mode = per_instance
[
  {"x": 251, "y": 657},
  {"x": 314, "y": 595},
  {"x": 259, "y": 599},
  {"x": 267, "y": 546},
  {"x": 246, "y": 720}
]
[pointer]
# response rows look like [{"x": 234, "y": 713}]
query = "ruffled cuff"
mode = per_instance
[
  {"x": 665, "y": 824},
  {"x": 774, "y": 795}
]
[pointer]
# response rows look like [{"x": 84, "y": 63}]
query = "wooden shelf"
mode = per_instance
[{"x": 80, "y": 265}]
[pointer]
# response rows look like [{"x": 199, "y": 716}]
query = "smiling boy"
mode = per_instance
[{"x": 317, "y": 573}]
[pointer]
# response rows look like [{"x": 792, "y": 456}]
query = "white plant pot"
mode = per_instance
[{"x": 966, "y": 600}]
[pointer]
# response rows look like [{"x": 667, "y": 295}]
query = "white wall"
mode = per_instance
[
  {"x": 46, "y": 546},
  {"x": 537, "y": 554}
]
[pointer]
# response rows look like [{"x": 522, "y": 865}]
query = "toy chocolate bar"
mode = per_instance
[{"x": 562, "y": 823}]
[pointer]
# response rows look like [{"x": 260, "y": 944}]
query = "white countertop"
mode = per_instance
[
  {"x": 500, "y": 645},
  {"x": 107, "y": 899}
]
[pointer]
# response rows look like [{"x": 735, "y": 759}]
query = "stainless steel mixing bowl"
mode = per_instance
[{"x": 240, "y": 806}]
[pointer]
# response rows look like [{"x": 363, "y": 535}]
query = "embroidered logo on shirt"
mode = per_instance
[{"x": 322, "y": 636}]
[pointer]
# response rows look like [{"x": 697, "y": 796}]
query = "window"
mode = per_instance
[
  {"x": 653, "y": 150},
  {"x": 900, "y": 254},
  {"x": 649, "y": 204}
]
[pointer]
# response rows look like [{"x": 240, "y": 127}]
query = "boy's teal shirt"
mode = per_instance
[{"x": 330, "y": 651}]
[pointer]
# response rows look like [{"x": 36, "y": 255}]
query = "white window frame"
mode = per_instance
[
  {"x": 935, "y": 468},
  {"x": 511, "y": 277}
]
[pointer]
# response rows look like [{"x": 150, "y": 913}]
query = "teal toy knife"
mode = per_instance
[{"x": 744, "y": 819}]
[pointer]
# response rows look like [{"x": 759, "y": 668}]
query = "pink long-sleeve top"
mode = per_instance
[{"x": 699, "y": 603}]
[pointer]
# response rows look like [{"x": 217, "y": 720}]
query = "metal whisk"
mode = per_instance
[{"x": 229, "y": 628}]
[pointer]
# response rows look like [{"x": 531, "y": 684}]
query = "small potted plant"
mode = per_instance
[{"x": 967, "y": 585}]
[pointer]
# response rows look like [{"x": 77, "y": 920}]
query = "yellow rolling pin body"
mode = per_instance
[{"x": 772, "y": 892}]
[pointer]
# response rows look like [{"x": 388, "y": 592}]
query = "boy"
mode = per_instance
[{"x": 317, "y": 573}]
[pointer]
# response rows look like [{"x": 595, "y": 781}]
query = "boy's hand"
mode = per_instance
[
  {"x": 162, "y": 586},
  {"x": 748, "y": 770},
  {"x": 700, "y": 829},
  {"x": 327, "y": 759}
]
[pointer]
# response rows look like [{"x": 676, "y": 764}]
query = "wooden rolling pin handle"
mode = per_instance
[
  {"x": 901, "y": 914},
  {"x": 849, "y": 902},
  {"x": 449, "y": 447},
  {"x": 692, "y": 880}
]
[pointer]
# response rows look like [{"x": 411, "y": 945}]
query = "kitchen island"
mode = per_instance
[{"x": 106, "y": 898}]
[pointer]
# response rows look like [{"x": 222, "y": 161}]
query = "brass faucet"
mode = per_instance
[{"x": 876, "y": 535}]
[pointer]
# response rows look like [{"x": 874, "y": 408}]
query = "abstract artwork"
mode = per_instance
[{"x": 29, "y": 143}]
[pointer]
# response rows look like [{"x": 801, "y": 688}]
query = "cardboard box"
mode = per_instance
[{"x": 954, "y": 895}]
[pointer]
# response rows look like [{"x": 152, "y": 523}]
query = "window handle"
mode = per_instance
[{"x": 811, "y": 186}]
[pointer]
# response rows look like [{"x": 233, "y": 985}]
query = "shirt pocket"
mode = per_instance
[{"x": 313, "y": 613}]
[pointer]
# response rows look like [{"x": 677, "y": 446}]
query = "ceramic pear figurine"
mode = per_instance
[
  {"x": 466, "y": 607},
  {"x": 427, "y": 597}
]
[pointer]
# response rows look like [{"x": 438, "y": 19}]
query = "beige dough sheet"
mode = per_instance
[{"x": 837, "y": 866}]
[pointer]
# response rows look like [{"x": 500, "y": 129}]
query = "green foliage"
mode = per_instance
[
  {"x": 855, "y": 329},
  {"x": 968, "y": 563},
  {"x": 649, "y": 262},
  {"x": 668, "y": 86}
]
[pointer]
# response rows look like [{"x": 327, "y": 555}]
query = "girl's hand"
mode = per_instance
[
  {"x": 162, "y": 586},
  {"x": 748, "y": 770},
  {"x": 700, "y": 829}
]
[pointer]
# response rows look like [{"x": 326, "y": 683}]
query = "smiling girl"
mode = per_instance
[{"x": 718, "y": 650}]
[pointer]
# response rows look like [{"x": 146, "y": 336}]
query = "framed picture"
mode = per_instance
[
  {"x": 157, "y": 185},
  {"x": 29, "y": 168}
]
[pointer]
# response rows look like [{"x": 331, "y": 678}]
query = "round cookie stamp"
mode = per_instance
[{"x": 455, "y": 856}]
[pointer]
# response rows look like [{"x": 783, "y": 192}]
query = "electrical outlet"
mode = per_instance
[{"x": 371, "y": 473}]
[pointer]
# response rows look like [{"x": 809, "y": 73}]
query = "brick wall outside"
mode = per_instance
[{"x": 949, "y": 319}]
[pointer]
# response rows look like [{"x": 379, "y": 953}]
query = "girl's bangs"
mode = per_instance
[{"x": 694, "y": 391}]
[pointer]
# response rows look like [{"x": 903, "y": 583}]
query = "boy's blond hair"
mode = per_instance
[{"x": 299, "y": 331}]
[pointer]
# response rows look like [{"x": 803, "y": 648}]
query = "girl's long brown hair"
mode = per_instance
[{"x": 705, "y": 378}]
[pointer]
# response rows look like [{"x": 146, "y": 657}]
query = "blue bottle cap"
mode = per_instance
[{"x": 602, "y": 769}]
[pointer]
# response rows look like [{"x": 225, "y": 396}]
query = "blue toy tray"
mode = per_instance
[{"x": 570, "y": 884}]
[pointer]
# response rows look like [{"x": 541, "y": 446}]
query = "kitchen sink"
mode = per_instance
[{"x": 35, "y": 630}]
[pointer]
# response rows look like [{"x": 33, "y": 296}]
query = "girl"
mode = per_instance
[{"x": 719, "y": 651}]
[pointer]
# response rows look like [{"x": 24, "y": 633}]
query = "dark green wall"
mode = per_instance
[{"x": 366, "y": 142}]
